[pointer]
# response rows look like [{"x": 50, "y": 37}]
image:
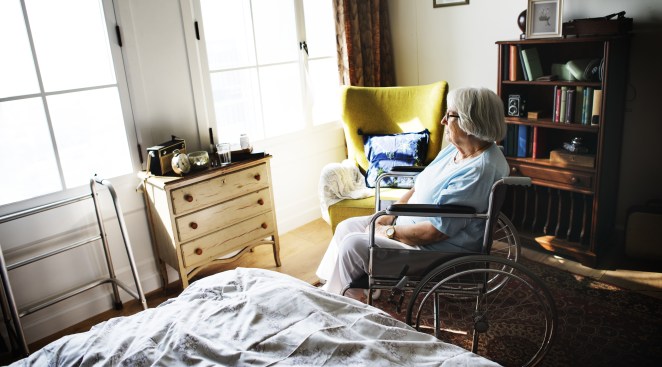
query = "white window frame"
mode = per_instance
[
  {"x": 111, "y": 22},
  {"x": 201, "y": 81}
]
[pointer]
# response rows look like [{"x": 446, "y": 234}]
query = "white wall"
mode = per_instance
[
  {"x": 457, "y": 44},
  {"x": 161, "y": 90}
]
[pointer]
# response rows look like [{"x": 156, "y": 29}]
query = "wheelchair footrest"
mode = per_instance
[{"x": 398, "y": 292}]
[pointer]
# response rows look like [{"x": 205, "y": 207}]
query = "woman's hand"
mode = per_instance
[
  {"x": 419, "y": 234},
  {"x": 380, "y": 230}
]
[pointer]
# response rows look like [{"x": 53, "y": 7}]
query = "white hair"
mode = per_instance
[{"x": 481, "y": 112}]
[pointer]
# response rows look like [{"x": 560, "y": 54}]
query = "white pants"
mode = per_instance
[{"x": 348, "y": 254}]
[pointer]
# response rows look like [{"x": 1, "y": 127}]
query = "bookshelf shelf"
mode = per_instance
[
  {"x": 548, "y": 123},
  {"x": 570, "y": 208},
  {"x": 553, "y": 83},
  {"x": 545, "y": 162}
]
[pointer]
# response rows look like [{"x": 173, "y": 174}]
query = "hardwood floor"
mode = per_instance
[{"x": 300, "y": 251}]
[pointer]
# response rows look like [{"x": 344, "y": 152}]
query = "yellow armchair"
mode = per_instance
[{"x": 387, "y": 110}]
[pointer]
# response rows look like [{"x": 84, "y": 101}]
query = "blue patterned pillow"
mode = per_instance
[{"x": 387, "y": 151}]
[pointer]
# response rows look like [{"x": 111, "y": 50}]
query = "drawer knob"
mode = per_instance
[
  {"x": 264, "y": 225},
  {"x": 198, "y": 251},
  {"x": 574, "y": 180},
  {"x": 188, "y": 197},
  {"x": 257, "y": 177},
  {"x": 260, "y": 201},
  {"x": 193, "y": 225},
  {"x": 513, "y": 169}
]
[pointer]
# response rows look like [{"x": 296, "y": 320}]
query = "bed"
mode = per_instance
[{"x": 253, "y": 317}]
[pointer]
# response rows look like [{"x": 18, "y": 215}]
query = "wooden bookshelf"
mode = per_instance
[{"x": 570, "y": 210}]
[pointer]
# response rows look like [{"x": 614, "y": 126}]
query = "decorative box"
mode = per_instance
[{"x": 564, "y": 158}]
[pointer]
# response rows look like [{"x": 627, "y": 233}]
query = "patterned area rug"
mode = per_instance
[{"x": 598, "y": 324}]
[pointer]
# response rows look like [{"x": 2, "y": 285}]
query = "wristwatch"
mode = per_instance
[{"x": 390, "y": 232}]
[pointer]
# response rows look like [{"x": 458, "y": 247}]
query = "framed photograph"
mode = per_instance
[
  {"x": 544, "y": 18},
  {"x": 440, "y": 3}
]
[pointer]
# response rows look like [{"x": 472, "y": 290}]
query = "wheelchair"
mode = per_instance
[{"x": 485, "y": 302}]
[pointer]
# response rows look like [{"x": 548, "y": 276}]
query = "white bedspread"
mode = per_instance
[{"x": 258, "y": 318}]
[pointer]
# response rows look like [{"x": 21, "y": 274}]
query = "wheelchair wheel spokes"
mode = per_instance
[
  {"x": 505, "y": 244},
  {"x": 505, "y": 239},
  {"x": 512, "y": 325}
]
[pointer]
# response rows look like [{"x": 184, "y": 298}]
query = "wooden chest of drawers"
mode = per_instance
[{"x": 210, "y": 217}]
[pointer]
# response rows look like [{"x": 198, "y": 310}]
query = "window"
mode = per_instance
[
  {"x": 61, "y": 116},
  {"x": 271, "y": 64}
]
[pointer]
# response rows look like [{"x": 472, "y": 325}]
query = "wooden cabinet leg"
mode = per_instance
[{"x": 276, "y": 246}]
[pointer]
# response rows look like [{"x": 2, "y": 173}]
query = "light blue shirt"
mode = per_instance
[{"x": 468, "y": 183}]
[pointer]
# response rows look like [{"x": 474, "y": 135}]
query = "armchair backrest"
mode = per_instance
[{"x": 392, "y": 110}]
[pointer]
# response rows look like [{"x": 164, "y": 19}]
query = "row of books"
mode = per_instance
[
  {"x": 577, "y": 105},
  {"x": 523, "y": 64},
  {"x": 522, "y": 141}
]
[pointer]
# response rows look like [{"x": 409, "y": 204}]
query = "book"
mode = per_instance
[
  {"x": 522, "y": 140},
  {"x": 562, "y": 105},
  {"x": 579, "y": 103},
  {"x": 529, "y": 141},
  {"x": 570, "y": 107},
  {"x": 557, "y": 104},
  {"x": 587, "y": 106},
  {"x": 525, "y": 76},
  {"x": 514, "y": 68},
  {"x": 597, "y": 107},
  {"x": 534, "y": 143},
  {"x": 512, "y": 140},
  {"x": 531, "y": 60},
  {"x": 509, "y": 140}
]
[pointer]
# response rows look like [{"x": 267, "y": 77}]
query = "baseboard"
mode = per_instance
[{"x": 87, "y": 304}]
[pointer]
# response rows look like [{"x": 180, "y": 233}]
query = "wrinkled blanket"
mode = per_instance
[
  {"x": 340, "y": 181},
  {"x": 253, "y": 317}
]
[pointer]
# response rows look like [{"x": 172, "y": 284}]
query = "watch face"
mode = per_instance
[{"x": 390, "y": 231}]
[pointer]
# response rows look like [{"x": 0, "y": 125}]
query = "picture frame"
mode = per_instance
[
  {"x": 544, "y": 18},
  {"x": 442, "y": 3}
]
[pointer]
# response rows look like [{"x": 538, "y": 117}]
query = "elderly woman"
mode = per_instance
[{"x": 462, "y": 174}]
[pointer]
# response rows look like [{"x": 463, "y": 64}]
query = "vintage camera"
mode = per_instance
[
  {"x": 159, "y": 157},
  {"x": 515, "y": 106}
]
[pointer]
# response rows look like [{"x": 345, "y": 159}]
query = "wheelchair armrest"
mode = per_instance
[
  {"x": 426, "y": 209},
  {"x": 517, "y": 180},
  {"x": 409, "y": 169}
]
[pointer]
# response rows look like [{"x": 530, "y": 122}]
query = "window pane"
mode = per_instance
[
  {"x": 26, "y": 138},
  {"x": 89, "y": 129},
  {"x": 17, "y": 73},
  {"x": 275, "y": 31},
  {"x": 228, "y": 33},
  {"x": 71, "y": 43},
  {"x": 320, "y": 28},
  {"x": 237, "y": 104},
  {"x": 281, "y": 99},
  {"x": 326, "y": 87}
]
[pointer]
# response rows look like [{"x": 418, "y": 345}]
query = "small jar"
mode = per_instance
[{"x": 244, "y": 142}]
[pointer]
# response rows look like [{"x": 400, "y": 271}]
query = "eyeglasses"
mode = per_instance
[{"x": 448, "y": 115}]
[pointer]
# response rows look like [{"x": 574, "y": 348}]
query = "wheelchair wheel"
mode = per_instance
[
  {"x": 505, "y": 244},
  {"x": 505, "y": 239},
  {"x": 512, "y": 325}
]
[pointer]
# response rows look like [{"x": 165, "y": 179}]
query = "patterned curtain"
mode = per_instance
[{"x": 365, "y": 56}]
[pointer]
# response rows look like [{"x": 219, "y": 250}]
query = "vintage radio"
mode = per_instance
[{"x": 159, "y": 157}]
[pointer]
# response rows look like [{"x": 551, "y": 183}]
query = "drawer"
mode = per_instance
[
  {"x": 226, "y": 240},
  {"x": 218, "y": 189},
  {"x": 567, "y": 179},
  {"x": 222, "y": 215}
]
